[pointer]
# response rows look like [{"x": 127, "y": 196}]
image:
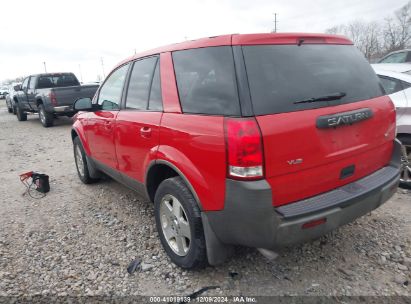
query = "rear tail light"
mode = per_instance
[
  {"x": 53, "y": 98},
  {"x": 244, "y": 149}
]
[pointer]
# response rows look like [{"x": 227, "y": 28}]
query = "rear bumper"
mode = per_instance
[
  {"x": 249, "y": 218},
  {"x": 63, "y": 109}
]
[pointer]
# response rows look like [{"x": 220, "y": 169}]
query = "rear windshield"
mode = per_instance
[
  {"x": 57, "y": 80},
  {"x": 280, "y": 75}
]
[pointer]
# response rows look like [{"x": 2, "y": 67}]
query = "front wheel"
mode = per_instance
[
  {"x": 47, "y": 119},
  {"x": 21, "y": 115},
  {"x": 405, "y": 179},
  {"x": 179, "y": 224},
  {"x": 81, "y": 162}
]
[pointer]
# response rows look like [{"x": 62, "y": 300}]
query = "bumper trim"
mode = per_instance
[
  {"x": 340, "y": 197},
  {"x": 62, "y": 109}
]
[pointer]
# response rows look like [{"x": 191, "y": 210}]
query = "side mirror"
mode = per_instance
[
  {"x": 17, "y": 87},
  {"x": 83, "y": 104}
]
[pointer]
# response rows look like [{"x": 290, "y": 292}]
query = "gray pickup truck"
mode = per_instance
[{"x": 49, "y": 95}]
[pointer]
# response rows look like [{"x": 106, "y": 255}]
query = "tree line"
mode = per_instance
[{"x": 376, "y": 39}]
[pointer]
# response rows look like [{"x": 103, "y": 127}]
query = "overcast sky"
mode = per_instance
[{"x": 78, "y": 35}]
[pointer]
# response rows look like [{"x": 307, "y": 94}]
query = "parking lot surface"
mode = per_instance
[{"x": 80, "y": 239}]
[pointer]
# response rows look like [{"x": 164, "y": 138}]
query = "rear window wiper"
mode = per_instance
[{"x": 332, "y": 96}]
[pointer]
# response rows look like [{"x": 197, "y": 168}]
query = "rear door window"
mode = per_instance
[
  {"x": 206, "y": 81},
  {"x": 280, "y": 75},
  {"x": 391, "y": 85},
  {"x": 140, "y": 83},
  {"x": 156, "y": 102}
]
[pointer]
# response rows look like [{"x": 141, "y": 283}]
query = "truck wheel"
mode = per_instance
[
  {"x": 47, "y": 119},
  {"x": 81, "y": 162},
  {"x": 405, "y": 179},
  {"x": 179, "y": 224},
  {"x": 21, "y": 115}
]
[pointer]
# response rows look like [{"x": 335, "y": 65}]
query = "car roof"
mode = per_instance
[
  {"x": 245, "y": 39},
  {"x": 393, "y": 67},
  {"x": 50, "y": 74},
  {"x": 392, "y": 74}
]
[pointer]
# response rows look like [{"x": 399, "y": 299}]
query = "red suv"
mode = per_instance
[{"x": 260, "y": 140}]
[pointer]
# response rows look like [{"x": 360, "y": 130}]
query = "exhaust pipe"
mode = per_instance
[{"x": 268, "y": 254}]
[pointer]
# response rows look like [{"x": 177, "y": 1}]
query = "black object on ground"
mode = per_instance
[
  {"x": 39, "y": 181},
  {"x": 199, "y": 292},
  {"x": 132, "y": 267}
]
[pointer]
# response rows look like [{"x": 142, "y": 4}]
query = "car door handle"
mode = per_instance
[
  {"x": 108, "y": 125},
  {"x": 145, "y": 132}
]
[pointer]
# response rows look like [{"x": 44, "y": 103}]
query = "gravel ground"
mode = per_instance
[{"x": 80, "y": 239}]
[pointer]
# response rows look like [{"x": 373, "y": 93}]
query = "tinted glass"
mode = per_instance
[
  {"x": 25, "y": 83},
  {"x": 110, "y": 93},
  {"x": 395, "y": 58},
  {"x": 140, "y": 82},
  {"x": 206, "y": 81},
  {"x": 57, "y": 80},
  {"x": 390, "y": 85},
  {"x": 156, "y": 103},
  {"x": 280, "y": 75},
  {"x": 32, "y": 83}
]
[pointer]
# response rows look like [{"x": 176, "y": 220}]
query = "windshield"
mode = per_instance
[
  {"x": 57, "y": 80},
  {"x": 280, "y": 75}
]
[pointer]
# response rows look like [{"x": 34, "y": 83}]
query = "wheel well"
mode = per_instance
[
  {"x": 73, "y": 135},
  {"x": 155, "y": 176}
]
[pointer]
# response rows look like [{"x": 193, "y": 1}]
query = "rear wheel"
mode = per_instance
[
  {"x": 21, "y": 115},
  {"x": 405, "y": 179},
  {"x": 47, "y": 119},
  {"x": 179, "y": 224}
]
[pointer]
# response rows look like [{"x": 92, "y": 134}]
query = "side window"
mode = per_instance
[
  {"x": 25, "y": 83},
  {"x": 405, "y": 85},
  {"x": 139, "y": 84},
  {"x": 390, "y": 85},
  {"x": 156, "y": 103},
  {"x": 206, "y": 81},
  {"x": 110, "y": 93},
  {"x": 395, "y": 58},
  {"x": 32, "y": 83}
]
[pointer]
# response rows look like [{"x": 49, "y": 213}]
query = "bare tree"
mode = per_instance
[
  {"x": 365, "y": 36},
  {"x": 397, "y": 30},
  {"x": 376, "y": 39}
]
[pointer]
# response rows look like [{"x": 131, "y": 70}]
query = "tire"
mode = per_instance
[
  {"x": 47, "y": 119},
  {"x": 179, "y": 224},
  {"x": 405, "y": 180},
  {"x": 10, "y": 110},
  {"x": 21, "y": 115},
  {"x": 81, "y": 162}
]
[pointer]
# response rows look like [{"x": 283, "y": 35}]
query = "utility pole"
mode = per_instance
[
  {"x": 275, "y": 23},
  {"x": 81, "y": 74},
  {"x": 45, "y": 69},
  {"x": 102, "y": 66}
]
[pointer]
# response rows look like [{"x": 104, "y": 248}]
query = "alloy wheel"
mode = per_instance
[
  {"x": 79, "y": 160},
  {"x": 175, "y": 225}
]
